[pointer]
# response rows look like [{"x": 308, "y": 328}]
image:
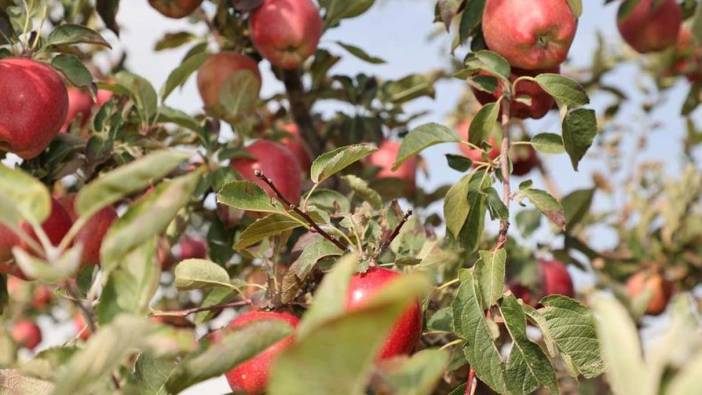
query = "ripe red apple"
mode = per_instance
[
  {"x": 555, "y": 279},
  {"x": 532, "y": 35},
  {"x": 296, "y": 146},
  {"x": 384, "y": 158},
  {"x": 524, "y": 159},
  {"x": 251, "y": 377},
  {"x": 650, "y": 28},
  {"x": 93, "y": 232},
  {"x": 82, "y": 329},
  {"x": 659, "y": 288},
  {"x": 541, "y": 102},
  {"x": 405, "y": 333},
  {"x": 80, "y": 104},
  {"x": 32, "y": 115},
  {"x": 191, "y": 248},
  {"x": 521, "y": 292},
  {"x": 26, "y": 334},
  {"x": 214, "y": 73},
  {"x": 286, "y": 32},
  {"x": 277, "y": 163},
  {"x": 687, "y": 59},
  {"x": 175, "y": 8}
]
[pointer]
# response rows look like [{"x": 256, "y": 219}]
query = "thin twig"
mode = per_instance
[
  {"x": 299, "y": 212},
  {"x": 85, "y": 311},
  {"x": 187, "y": 312},
  {"x": 388, "y": 240},
  {"x": 471, "y": 383},
  {"x": 300, "y": 111}
]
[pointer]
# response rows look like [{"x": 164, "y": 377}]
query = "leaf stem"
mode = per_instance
[
  {"x": 504, "y": 167},
  {"x": 187, "y": 312}
]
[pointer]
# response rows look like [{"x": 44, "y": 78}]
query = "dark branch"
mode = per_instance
[
  {"x": 388, "y": 240},
  {"x": 301, "y": 112},
  {"x": 187, "y": 312},
  {"x": 299, "y": 212}
]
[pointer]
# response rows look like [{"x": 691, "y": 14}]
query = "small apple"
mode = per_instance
[
  {"x": 296, "y": 146},
  {"x": 26, "y": 334},
  {"x": 32, "y": 115},
  {"x": 524, "y": 157},
  {"x": 93, "y": 232},
  {"x": 214, "y": 74},
  {"x": 659, "y": 289},
  {"x": 191, "y": 248},
  {"x": 650, "y": 26},
  {"x": 555, "y": 279},
  {"x": 384, "y": 158},
  {"x": 175, "y": 8},
  {"x": 405, "y": 333},
  {"x": 81, "y": 106},
  {"x": 251, "y": 377},
  {"x": 277, "y": 163},
  {"x": 286, "y": 32}
]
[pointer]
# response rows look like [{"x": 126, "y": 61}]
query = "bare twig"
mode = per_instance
[
  {"x": 299, "y": 212},
  {"x": 388, "y": 240},
  {"x": 300, "y": 111},
  {"x": 187, "y": 312},
  {"x": 504, "y": 165}
]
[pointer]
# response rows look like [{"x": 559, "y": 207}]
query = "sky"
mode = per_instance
[{"x": 398, "y": 31}]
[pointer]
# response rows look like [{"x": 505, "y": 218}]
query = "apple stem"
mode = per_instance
[
  {"x": 385, "y": 243},
  {"x": 294, "y": 208},
  {"x": 504, "y": 167},
  {"x": 301, "y": 112},
  {"x": 187, "y": 312}
]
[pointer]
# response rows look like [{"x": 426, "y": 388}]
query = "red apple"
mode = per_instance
[
  {"x": 650, "y": 28},
  {"x": 26, "y": 334},
  {"x": 41, "y": 297},
  {"x": 384, "y": 158},
  {"x": 80, "y": 104},
  {"x": 251, "y": 377},
  {"x": 555, "y": 279},
  {"x": 659, "y": 289},
  {"x": 82, "y": 329},
  {"x": 532, "y": 35},
  {"x": 296, "y": 146},
  {"x": 521, "y": 292},
  {"x": 286, "y": 32},
  {"x": 405, "y": 333},
  {"x": 32, "y": 115},
  {"x": 541, "y": 102},
  {"x": 474, "y": 154},
  {"x": 277, "y": 163},
  {"x": 524, "y": 159},
  {"x": 214, "y": 73},
  {"x": 93, "y": 232},
  {"x": 191, "y": 248},
  {"x": 175, "y": 8},
  {"x": 687, "y": 59}
]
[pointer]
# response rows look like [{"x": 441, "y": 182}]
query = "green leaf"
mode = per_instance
[
  {"x": 408, "y": 88},
  {"x": 270, "y": 225},
  {"x": 484, "y": 123},
  {"x": 459, "y": 162},
  {"x": 336, "y": 10},
  {"x": 171, "y": 115},
  {"x": 68, "y": 34},
  {"x": 143, "y": 94},
  {"x": 107, "y": 9},
  {"x": 470, "y": 324},
  {"x": 52, "y": 273},
  {"x": 127, "y": 179},
  {"x": 200, "y": 274},
  {"x": 297, "y": 274},
  {"x": 565, "y": 91},
  {"x": 490, "y": 274},
  {"x": 697, "y": 25},
  {"x": 687, "y": 381},
  {"x": 236, "y": 347},
  {"x": 472, "y": 230},
  {"x": 417, "y": 375},
  {"x": 23, "y": 194},
  {"x": 73, "y": 69},
  {"x": 180, "y": 74},
  {"x": 148, "y": 217},
  {"x": 576, "y": 205},
  {"x": 548, "y": 143},
  {"x": 528, "y": 221},
  {"x": 361, "y": 54},
  {"x": 332, "y": 162},
  {"x": 547, "y": 204},
  {"x": 339, "y": 353},
  {"x": 456, "y": 207},
  {"x": 365, "y": 192},
  {"x": 579, "y": 131},
  {"x": 173, "y": 40},
  {"x": 239, "y": 94},
  {"x": 489, "y": 61},
  {"x": 496, "y": 207},
  {"x": 471, "y": 18},
  {"x": 422, "y": 137},
  {"x": 12, "y": 381},
  {"x": 528, "y": 368},
  {"x": 215, "y": 296},
  {"x": 576, "y": 6},
  {"x": 150, "y": 374},
  {"x": 246, "y": 195}
]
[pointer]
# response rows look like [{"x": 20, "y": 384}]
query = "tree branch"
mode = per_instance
[
  {"x": 388, "y": 240},
  {"x": 300, "y": 111},
  {"x": 187, "y": 312},
  {"x": 504, "y": 167},
  {"x": 299, "y": 212}
]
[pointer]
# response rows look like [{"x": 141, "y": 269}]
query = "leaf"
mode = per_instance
[
  {"x": 332, "y": 162},
  {"x": 579, "y": 131},
  {"x": 298, "y": 272},
  {"x": 23, "y": 194},
  {"x": 68, "y": 34},
  {"x": 127, "y": 179},
  {"x": 483, "y": 124},
  {"x": 456, "y": 207},
  {"x": 171, "y": 115},
  {"x": 142, "y": 93},
  {"x": 576, "y": 205},
  {"x": 408, "y": 88},
  {"x": 107, "y": 9},
  {"x": 236, "y": 347},
  {"x": 73, "y": 69},
  {"x": 148, "y": 217},
  {"x": 470, "y": 324},
  {"x": 496, "y": 207},
  {"x": 472, "y": 230},
  {"x": 246, "y": 195},
  {"x": 361, "y": 54},
  {"x": 422, "y": 137},
  {"x": 339, "y": 353},
  {"x": 13, "y": 382},
  {"x": 239, "y": 94},
  {"x": 336, "y": 10},
  {"x": 173, "y": 40},
  {"x": 489, "y": 61},
  {"x": 548, "y": 143},
  {"x": 528, "y": 221},
  {"x": 417, "y": 375},
  {"x": 696, "y": 27},
  {"x": 199, "y": 274},
  {"x": 270, "y": 225},
  {"x": 180, "y": 74},
  {"x": 61, "y": 269},
  {"x": 687, "y": 381},
  {"x": 565, "y": 91},
  {"x": 471, "y": 18},
  {"x": 365, "y": 192},
  {"x": 448, "y": 10},
  {"x": 528, "y": 368},
  {"x": 459, "y": 162},
  {"x": 576, "y": 6},
  {"x": 132, "y": 285},
  {"x": 547, "y": 204},
  {"x": 150, "y": 374},
  {"x": 490, "y": 274}
]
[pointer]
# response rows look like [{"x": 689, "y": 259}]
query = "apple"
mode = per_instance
[
  {"x": 555, "y": 279},
  {"x": 649, "y": 26},
  {"x": 405, "y": 333},
  {"x": 277, "y": 163},
  {"x": 524, "y": 159},
  {"x": 474, "y": 154},
  {"x": 191, "y": 248},
  {"x": 286, "y": 32},
  {"x": 384, "y": 158},
  {"x": 251, "y": 377},
  {"x": 687, "y": 59},
  {"x": 214, "y": 74},
  {"x": 93, "y": 232},
  {"x": 659, "y": 289},
  {"x": 532, "y": 35},
  {"x": 296, "y": 146},
  {"x": 541, "y": 102},
  {"x": 82, "y": 329},
  {"x": 26, "y": 334},
  {"x": 32, "y": 115},
  {"x": 175, "y": 8},
  {"x": 81, "y": 105},
  {"x": 521, "y": 292}
]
